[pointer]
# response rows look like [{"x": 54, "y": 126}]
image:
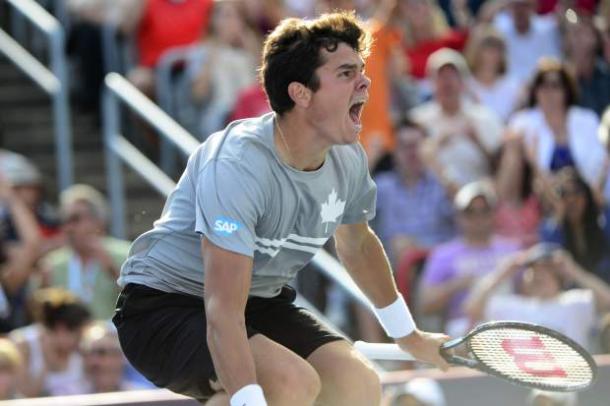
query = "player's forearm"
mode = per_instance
[
  {"x": 369, "y": 267},
  {"x": 228, "y": 343}
]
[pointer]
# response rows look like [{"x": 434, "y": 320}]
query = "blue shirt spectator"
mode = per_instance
[{"x": 413, "y": 209}]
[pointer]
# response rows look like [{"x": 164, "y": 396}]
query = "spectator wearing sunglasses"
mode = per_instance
[
  {"x": 558, "y": 133},
  {"x": 454, "y": 267},
  {"x": 88, "y": 265}
]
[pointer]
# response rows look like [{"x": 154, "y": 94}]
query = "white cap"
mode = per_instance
[
  {"x": 470, "y": 191},
  {"x": 18, "y": 170},
  {"x": 444, "y": 57}
]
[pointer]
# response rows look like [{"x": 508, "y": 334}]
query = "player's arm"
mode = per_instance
[
  {"x": 226, "y": 287},
  {"x": 364, "y": 257}
]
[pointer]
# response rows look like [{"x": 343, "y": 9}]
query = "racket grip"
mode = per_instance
[{"x": 380, "y": 351}]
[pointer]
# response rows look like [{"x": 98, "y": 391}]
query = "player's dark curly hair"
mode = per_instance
[{"x": 291, "y": 52}]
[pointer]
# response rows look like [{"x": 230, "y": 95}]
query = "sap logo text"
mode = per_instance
[{"x": 226, "y": 226}]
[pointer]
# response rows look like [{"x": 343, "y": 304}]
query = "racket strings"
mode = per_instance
[{"x": 531, "y": 357}]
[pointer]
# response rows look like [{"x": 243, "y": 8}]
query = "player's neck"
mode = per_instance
[{"x": 297, "y": 144}]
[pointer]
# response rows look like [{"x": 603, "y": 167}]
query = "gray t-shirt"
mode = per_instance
[{"x": 238, "y": 194}]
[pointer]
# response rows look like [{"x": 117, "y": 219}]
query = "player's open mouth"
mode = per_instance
[{"x": 355, "y": 111}]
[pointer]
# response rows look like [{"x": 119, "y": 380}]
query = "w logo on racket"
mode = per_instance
[{"x": 531, "y": 356}]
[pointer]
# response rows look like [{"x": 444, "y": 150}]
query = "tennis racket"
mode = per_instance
[{"x": 522, "y": 353}]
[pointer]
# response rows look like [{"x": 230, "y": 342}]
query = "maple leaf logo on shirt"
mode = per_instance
[{"x": 331, "y": 209}]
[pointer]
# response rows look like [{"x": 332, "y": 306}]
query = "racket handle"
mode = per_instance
[{"x": 379, "y": 351}]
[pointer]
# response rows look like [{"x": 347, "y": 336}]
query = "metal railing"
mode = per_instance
[
  {"x": 53, "y": 81},
  {"x": 117, "y": 88},
  {"x": 167, "y": 95},
  {"x": 118, "y": 150}
]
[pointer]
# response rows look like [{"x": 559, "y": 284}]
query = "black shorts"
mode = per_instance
[{"x": 163, "y": 335}]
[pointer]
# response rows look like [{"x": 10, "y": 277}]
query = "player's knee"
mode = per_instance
[
  {"x": 299, "y": 384},
  {"x": 360, "y": 384}
]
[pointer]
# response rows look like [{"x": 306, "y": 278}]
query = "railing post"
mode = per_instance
[
  {"x": 110, "y": 113},
  {"x": 61, "y": 112},
  {"x": 165, "y": 94}
]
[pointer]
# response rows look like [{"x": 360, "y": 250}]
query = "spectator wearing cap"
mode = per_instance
[
  {"x": 463, "y": 136},
  {"x": 89, "y": 264},
  {"x": 26, "y": 181},
  {"x": 452, "y": 268},
  {"x": 17, "y": 259},
  {"x": 26, "y": 220},
  {"x": 542, "y": 272},
  {"x": 49, "y": 347},
  {"x": 417, "y": 392}
]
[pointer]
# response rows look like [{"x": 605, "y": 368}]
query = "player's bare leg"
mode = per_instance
[
  {"x": 347, "y": 377},
  {"x": 286, "y": 378}
]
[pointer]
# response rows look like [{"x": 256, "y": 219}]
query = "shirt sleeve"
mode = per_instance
[
  {"x": 363, "y": 200},
  {"x": 229, "y": 203}
]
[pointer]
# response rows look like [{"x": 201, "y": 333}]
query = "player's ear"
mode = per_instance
[{"x": 300, "y": 94}]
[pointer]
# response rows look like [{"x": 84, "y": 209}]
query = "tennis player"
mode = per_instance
[{"x": 205, "y": 308}]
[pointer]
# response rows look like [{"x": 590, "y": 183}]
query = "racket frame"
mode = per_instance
[{"x": 478, "y": 364}]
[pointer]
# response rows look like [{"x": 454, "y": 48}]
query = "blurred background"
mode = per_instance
[{"x": 487, "y": 131}]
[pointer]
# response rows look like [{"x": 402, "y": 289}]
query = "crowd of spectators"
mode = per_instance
[
  {"x": 487, "y": 132},
  {"x": 58, "y": 289}
]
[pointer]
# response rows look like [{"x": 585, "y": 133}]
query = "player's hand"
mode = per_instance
[{"x": 425, "y": 347}]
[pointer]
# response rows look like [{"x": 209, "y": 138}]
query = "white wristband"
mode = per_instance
[
  {"x": 249, "y": 395},
  {"x": 396, "y": 319}
]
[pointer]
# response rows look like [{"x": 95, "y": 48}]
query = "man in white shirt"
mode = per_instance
[
  {"x": 463, "y": 136},
  {"x": 528, "y": 36}
]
